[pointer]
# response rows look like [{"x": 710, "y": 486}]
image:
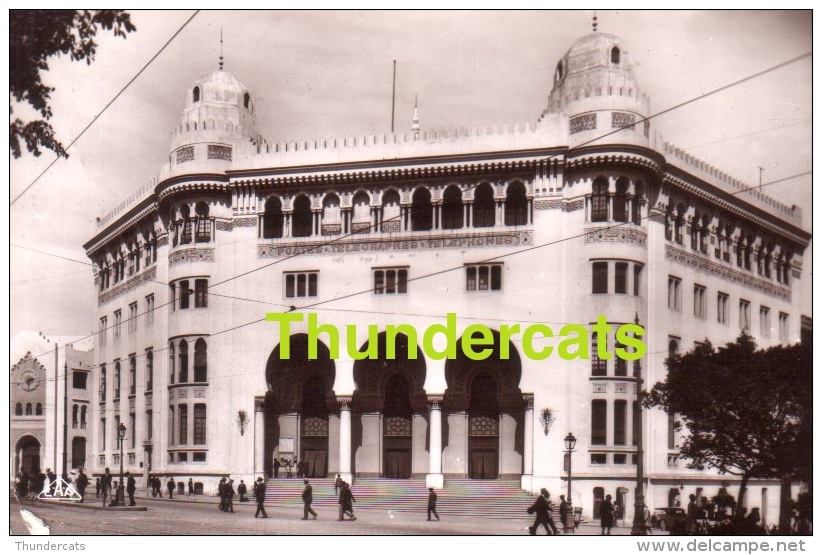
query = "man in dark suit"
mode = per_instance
[
  {"x": 131, "y": 487},
  {"x": 308, "y": 498},
  {"x": 432, "y": 504},
  {"x": 259, "y": 495},
  {"x": 171, "y": 487},
  {"x": 82, "y": 483},
  {"x": 276, "y": 468},
  {"x": 540, "y": 508}
]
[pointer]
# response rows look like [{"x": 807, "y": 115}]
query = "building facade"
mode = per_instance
[{"x": 585, "y": 213}]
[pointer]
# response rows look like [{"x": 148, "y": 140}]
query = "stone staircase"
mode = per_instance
[{"x": 460, "y": 497}]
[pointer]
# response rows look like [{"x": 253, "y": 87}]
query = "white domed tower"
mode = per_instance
[
  {"x": 595, "y": 87},
  {"x": 218, "y": 116}
]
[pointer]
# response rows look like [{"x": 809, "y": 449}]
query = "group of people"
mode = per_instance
[
  {"x": 301, "y": 467},
  {"x": 157, "y": 486},
  {"x": 225, "y": 490}
]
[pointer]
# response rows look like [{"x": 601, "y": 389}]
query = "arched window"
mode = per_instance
[
  {"x": 28, "y": 409},
  {"x": 391, "y": 211},
  {"x": 273, "y": 219},
  {"x": 621, "y": 200},
  {"x": 452, "y": 208},
  {"x": 302, "y": 219},
  {"x": 18, "y": 409},
  {"x": 484, "y": 215},
  {"x": 558, "y": 74},
  {"x": 183, "y": 371},
  {"x": 38, "y": 409},
  {"x": 599, "y": 200},
  {"x": 516, "y": 205},
  {"x": 673, "y": 347},
  {"x": 331, "y": 218},
  {"x": 171, "y": 363},
  {"x": 361, "y": 218},
  {"x": 117, "y": 380},
  {"x": 247, "y": 101},
  {"x": 421, "y": 210},
  {"x": 186, "y": 234},
  {"x": 102, "y": 383},
  {"x": 196, "y": 94},
  {"x": 83, "y": 416},
  {"x": 203, "y": 234},
  {"x": 75, "y": 416},
  {"x": 615, "y": 55},
  {"x": 200, "y": 361},
  {"x": 679, "y": 224}
]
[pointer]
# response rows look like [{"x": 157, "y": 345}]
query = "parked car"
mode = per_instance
[{"x": 668, "y": 518}]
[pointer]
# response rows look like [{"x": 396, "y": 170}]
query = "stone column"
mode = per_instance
[
  {"x": 434, "y": 479},
  {"x": 259, "y": 437},
  {"x": 345, "y": 438},
  {"x": 528, "y": 443}
]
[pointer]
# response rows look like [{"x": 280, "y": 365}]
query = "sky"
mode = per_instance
[{"x": 327, "y": 74}]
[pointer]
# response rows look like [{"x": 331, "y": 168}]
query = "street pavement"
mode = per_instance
[{"x": 200, "y": 516}]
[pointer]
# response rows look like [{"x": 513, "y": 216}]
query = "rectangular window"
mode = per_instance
[
  {"x": 80, "y": 379},
  {"x": 674, "y": 293},
  {"x": 103, "y": 330},
  {"x": 173, "y": 297},
  {"x": 784, "y": 328},
  {"x": 199, "y": 424},
  {"x": 621, "y": 278},
  {"x": 149, "y": 425},
  {"x": 182, "y": 457},
  {"x": 620, "y": 364},
  {"x": 102, "y": 383},
  {"x": 391, "y": 281},
  {"x": 671, "y": 431},
  {"x": 116, "y": 379},
  {"x": 132, "y": 317},
  {"x": 599, "y": 284},
  {"x": 764, "y": 321},
  {"x": 149, "y": 310},
  {"x": 599, "y": 458},
  {"x": 132, "y": 432},
  {"x": 149, "y": 370},
  {"x": 744, "y": 315},
  {"x": 171, "y": 425},
  {"x": 599, "y": 366},
  {"x": 637, "y": 280},
  {"x": 201, "y": 293},
  {"x": 620, "y": 458},
  {"x": 599, "y": 422},
  {"x": 722, "y": 308},
  {"x": 620, "y": 422},
  {"x": 700, "y": 302},
  {"x": 103, "y": 434},
  {"x": 132, "y": 374},
  {"x": 183, "y": 424},
  {"x": 118, "y": 320},
  {"x": 115, "y": 433},
  {"x": 198, "y": 457},
  {"x": 185, "y": 295},
  {"x": 301, "y": 284},
  {"x": 482, "y": 277}
]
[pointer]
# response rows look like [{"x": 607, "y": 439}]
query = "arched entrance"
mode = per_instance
[
  {"x": 485, "y": 412},
  {"x": 483, "y": 428},
  {"x": 78, "y": 452},
  {"x": 298, "y": 404},
  {"x": 27, "y": 455},
  {"x": 392, "y": 403}
]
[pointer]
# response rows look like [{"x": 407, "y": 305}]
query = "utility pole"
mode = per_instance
[
  {"x": 638, "y": 528},
  {"x": 65, "y": 415},
  {"x": 761, "y": 169},
  {"x": 393, "y": 95}
]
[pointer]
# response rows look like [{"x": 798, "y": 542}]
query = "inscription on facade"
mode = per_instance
[
  {"x": 191, "y": 255},
  {"x": 616, "y": 235},
  {"x": 129, "y": 285},
  {"x": 502, "y": 239}
]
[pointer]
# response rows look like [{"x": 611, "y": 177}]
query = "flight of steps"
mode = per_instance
[{"x": 460, "y": 497}]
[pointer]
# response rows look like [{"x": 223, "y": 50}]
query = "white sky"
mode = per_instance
[{"x": 328, "y": 74}]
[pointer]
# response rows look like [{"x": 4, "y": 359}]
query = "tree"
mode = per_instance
[
  {"x": 748, "y": 413},
  {"x": 35, "y": 36}
]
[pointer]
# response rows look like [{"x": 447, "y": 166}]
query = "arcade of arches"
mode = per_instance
[{"x": 391, "y": 427}]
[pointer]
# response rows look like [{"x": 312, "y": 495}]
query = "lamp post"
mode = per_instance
[
  {"x": 638, "y": 528},
  {"x": 119, "y": 496},
  {"x": 568, "y": 517}
]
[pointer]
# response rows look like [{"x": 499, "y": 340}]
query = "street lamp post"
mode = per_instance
[
  {"x": 119, "y": 496},
  {"x": 568, "y": 517},
  {"x": 638, "y": 528}
]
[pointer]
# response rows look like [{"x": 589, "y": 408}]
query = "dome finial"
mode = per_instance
[
  {"x": 594, "y": 22},
  {"x": 221, "y": 48}
]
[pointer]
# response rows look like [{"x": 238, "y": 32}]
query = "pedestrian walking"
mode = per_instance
[
  {"x": 540, "y": 509},
  {"x": 229, "y": 497},
  {"x": 131, "y": 487},
  {"x": 432, "y": 504},
  {"x": 288, "y": 468},
  {"x": 259, "y": 495},
  {"x": 190, "y": 487},
  {"x": 82, "y": 483},
  {"x": 308, "y": 498},
  {"x": 105, "y": 485},
  {"x": 566, "y": 515},
  {"x": 221, "y": 494},
  {"x": 97, "y": 487},
  {"x": 337, "y": 484},
  {"x": 241, "y": 491},
  {"x": 551, "y": 515},
  {"x": 690, "y": 517},
  {"x": 276, "y": 467},
  {"x": 346, "y": 502},
  {"x": 170, "y": 487},
  {"x": 606, "y": 515},
  {"x": 305, "y": 468}
]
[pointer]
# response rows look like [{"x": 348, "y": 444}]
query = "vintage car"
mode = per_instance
[{"x": 668, "y": 518}]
